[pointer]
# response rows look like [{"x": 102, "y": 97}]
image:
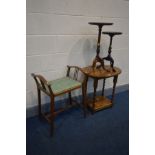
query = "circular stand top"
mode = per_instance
[
  {"x": 101, "y": 73},
  {"x": 99, "y": 23},
  {"x": 112, "y": 33}
]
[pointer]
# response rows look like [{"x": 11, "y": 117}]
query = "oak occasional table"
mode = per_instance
[{"x": 99, "y": 102}]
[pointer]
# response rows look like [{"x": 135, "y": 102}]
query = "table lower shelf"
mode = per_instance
[{"x": 101, "y": 102}]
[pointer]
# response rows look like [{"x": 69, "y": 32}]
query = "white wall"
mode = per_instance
[{"x": 58, "y": 34}]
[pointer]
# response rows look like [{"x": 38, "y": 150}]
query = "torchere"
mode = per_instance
[
  {"x": 97, "y": 58},
  {"x": 109, "y": 57}
]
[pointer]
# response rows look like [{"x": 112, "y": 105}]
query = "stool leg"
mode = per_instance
[
  {"x": 70, "y": 98},
  {"x": 39, "y": 102},
  {"x": 52, "y": 116}
]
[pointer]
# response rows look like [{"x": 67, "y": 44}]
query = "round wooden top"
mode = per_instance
[
  {"x": 99, "y": 23},
  {"x": 101, "y": 73},
  {"x": 112, "y": 33}
]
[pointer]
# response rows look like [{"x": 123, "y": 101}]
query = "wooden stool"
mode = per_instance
[{"x": 55, "y": 88}]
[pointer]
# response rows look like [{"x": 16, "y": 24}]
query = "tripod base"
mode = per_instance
[
  {"x": 109, "y": 58},
  {"x": 98, "y": 60}
]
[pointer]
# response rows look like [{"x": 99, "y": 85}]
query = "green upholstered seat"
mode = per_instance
[{"x": 63, "y": 84}]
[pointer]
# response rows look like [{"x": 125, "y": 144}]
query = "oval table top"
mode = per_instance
[{"x": 100, "y": 72}]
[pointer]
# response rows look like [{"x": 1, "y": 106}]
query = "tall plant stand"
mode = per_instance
[
  {"x": 109, "y": 57},
  {"x": 98, "y": 58}
]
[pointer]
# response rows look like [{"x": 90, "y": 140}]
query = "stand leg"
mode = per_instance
[
  {"x": 102, "y": 64},
  {"x": 103, "y": 87},
  {"x": 114, "y": 86},
  {"x": 112, "y": 64},
  {"x": 94, "y": 63},
  {"x": 95, "y": 87},
  {"x": 84, "y": 94}
]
